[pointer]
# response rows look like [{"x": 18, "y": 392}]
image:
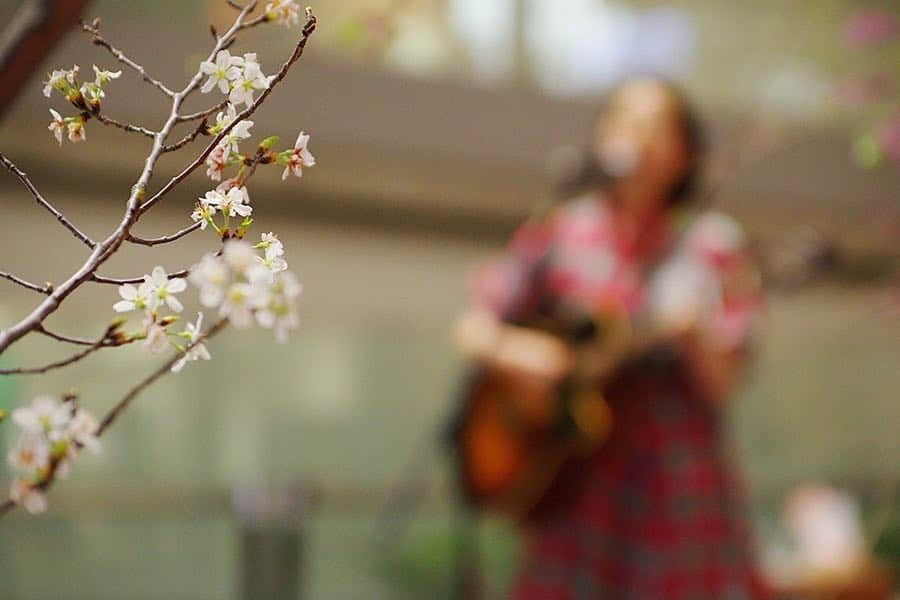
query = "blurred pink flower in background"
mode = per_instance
[
  {"x": 888, "y": 135},
  {"x": 870, "y": 26},
  {"x": 858, "y": 91}
]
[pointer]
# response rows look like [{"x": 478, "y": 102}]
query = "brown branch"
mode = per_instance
[
  {"x": 43, "y": 202},
  {"x": 124, "y": 126},
  {"x": 166, "y": 238},
  {"x": 64, "y": 338},
  {"x": 41, "y": 289},
  {"x": 113, "y": 281},
  {"x": 108, "y": 340},
  {"x": 203, "y": 113},
  {"x": 126, "y": 400},
  {"x": 186, "y": 139},
  {"x": 99, "y": 40},
  {"x": 308, "y": 30},
  {"x": 30, "y": 36},
  {"x": 254, "y": 22}
]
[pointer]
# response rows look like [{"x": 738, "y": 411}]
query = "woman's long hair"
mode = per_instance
[{"x": 591, "y": 175}]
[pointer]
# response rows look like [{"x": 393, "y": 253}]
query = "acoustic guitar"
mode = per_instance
[{"x": 513, "y": 434}]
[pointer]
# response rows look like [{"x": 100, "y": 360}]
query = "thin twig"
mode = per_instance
[
  {"x": 108, "y": 340},
  {"x": 254, "y": 22},
  {"x": 41, "y": 289},
  {"x": 203, "y": 113},
  {"x": 125, "y": 126},
  {"x": 308, "y": 29},
  {"x": 116, "y": 410},
  {"x": 64, "y": 338},
  {"x": 114, "y": 281},
  {"x": 99, "y": 40},
  {"x": 166, "y": 238},
  {"x": 186, "y": 139},
  {"x": 43, "y": 202}
]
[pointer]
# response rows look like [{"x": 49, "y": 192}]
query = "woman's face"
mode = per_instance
[{"x": 639, "y": 139}]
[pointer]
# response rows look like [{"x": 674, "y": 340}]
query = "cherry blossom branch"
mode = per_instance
[
  {"x": 99, "y": 40},
  {"x": 41, "y": 289},
  {"x": 64, "y": 338},
  {"x": 203, "y": 113},
  {"x": 120, "y": 407},
  {"x": 166, "y": 367},
  {"x": 114, "y": 281},
  {"x": 186, "y": 139},
  {"x": 308, "y": 30},
  {"x": 124, "y": 126},
  {"x": 134, "y": 208},
  {"x": 166, "y": 238},
  {"x": 12, "y": 168},
  {"x": 111, "y": 338}
]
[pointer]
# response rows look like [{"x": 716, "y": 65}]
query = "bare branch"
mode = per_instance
[
  {"x": 186, "y": 139},
  {"x": 99, "y": 40},
  {"x": 166, "y": 238},
  {"x": 308, "y": 29},
  {"x": 203, "y": 113},
  {"x": 108, "y": 340},
  {"x": 125, "y": 126},
  {"x": 64, "y": 338},
  {"x": 254, "y": 22},
  {"x": 113, "y": 281},
  {"x": 41, "y": 289},
  {"x": 43, "y": 202}
]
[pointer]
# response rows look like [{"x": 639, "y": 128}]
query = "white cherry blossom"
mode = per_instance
[
  {"x": 101, "y": 77},
  {"x": 83, "y": 430},
  {"x": 240, "y": 300},
  {"x": 45, "y": 414},
  {"x": 280, "y": 311},
  {"x": 204, "y": 211},
  {"x": 270, "y": 242},
  {"x": 248, "y": 82},
  {"x": 299, "y": 157},
  {"x": 24, "y": 494},
  {"x": 286, "y": 12},
  {"x": 32, "y": 453},
  {"x": 55, "y": 81},
  {"x": 133, "y": 297},
  {"x": 215, "y": 162},
  {"x": 56, "y": 126},
  {"x": 76, "y": 129},
  {"x": 212, "y": 276},
  {"x": 163, "y": 289},
  {"x": 235, "y": 202},
  {"x": 222, "y": 72},
  {"x": 198, "y": 351},
  {"x": 239, "y": 256},
  {"x": 155, "y": 335}
]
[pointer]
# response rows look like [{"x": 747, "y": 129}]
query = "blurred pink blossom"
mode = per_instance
[
  {"x": 888, "y": 135},
  {"x": 870, "y": 26},
  {"x": 856, "y": 91}
]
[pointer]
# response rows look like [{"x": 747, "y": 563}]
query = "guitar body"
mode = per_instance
[{"x": 514, "y": 435}]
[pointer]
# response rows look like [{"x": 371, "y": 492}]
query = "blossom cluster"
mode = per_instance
[
  {"x": 158, "y": 291},
  {"x": 53, "y": 433},
  {"x": 248, "y": 283},
  {"x": 84, "y": 96}
]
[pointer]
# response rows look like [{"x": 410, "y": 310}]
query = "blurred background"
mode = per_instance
[{"x": 438, "y": 125}]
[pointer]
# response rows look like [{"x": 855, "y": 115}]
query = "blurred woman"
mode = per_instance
[{"x": 655, "y": 511}]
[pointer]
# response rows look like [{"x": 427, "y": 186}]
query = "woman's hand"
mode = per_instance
[{"x": 533, "y": 353}]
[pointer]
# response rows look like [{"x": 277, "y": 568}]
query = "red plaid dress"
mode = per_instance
[{"x": 655, "y": 513}]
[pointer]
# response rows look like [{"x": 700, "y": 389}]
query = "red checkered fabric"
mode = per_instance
[{"x": 656, "y": 512}]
